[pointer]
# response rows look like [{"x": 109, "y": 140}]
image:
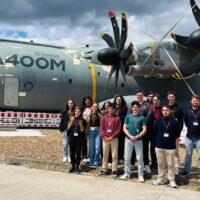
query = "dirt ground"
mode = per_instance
[{"x": 49, "y": 148}]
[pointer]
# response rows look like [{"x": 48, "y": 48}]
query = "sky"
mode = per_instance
[{"x": 75, "y": 23}]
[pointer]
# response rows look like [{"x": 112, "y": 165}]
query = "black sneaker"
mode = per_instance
[
  {"x": 77, "y": 170},
  {"x": 114, "y": 174},
  {"x": 184, "y": 174},
  {"x": 154, "y": 167},
  {"x": 103, "y": 173},
  {"x": 71, "y": 170}
]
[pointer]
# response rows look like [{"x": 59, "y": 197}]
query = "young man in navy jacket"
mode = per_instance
[
  {"x": 167, "y": 131},
  {"x": 192, "y": 122}
]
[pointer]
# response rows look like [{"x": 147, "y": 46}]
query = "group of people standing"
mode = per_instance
[{"x": 110, "y": 134}]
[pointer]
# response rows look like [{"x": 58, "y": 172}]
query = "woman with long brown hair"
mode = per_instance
[
  {"x": 75, "y": 130},
  {"x": 69, "y": 110}
]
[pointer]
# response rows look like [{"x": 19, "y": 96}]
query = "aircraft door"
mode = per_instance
[{"x": 11, "y": 91}]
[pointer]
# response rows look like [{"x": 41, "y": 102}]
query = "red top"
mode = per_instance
[
  {"x": 111, "y": 14},
  {"x": 110, "y": 126}
]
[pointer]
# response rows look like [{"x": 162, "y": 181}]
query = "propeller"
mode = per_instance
[
  {"x": 116, "y": 55},
  {"x": 193, "y": 40}
]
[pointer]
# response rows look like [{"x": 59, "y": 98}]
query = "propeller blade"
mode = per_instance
[
  {"x": 180, "y": 73},
  {"x": 126, "y": 53},
  {"x": 115, "y": 26},
  {"x": 182, "y": 40},
  {"x": 154, "y": 49},
  {"x": 123, "y": 71},
  {"x": 110, "y": 74},
  {"x": 124, "y": 31},
  {"x": 117, "y": 67},
  {"x": 108, "y": 39},
  {"x": 196, "y": 11}
]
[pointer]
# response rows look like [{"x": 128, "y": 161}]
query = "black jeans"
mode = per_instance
[
  {"x": 84, "y": 149},
  {"x": 75, "y": 143},
  {"x": 121, "y": 139},
  {"x": 146, "y": 142},
  {"x": 152, "y": 151}
]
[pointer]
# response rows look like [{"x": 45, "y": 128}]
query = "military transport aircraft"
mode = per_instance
[{"x": 40, "y": 77}]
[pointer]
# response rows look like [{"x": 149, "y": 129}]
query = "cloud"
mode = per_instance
[{"x": 75, "y": 23}]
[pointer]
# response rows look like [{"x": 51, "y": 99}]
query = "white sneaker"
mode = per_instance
[
  {"x": 64, "y": 159},
  {"x": 69, "y": 160},
  {"x": 141, "y": 179},
  {"x": 159, "y": 182},
  {"x": 147, "y": 169},
  {"x": 177, "y": 171},
  {"x": 109, "y": 164},
  {"x": 172, "y": 184},
  {"x": 125, "y": 176},
  {"x": 85, "y": 160}
]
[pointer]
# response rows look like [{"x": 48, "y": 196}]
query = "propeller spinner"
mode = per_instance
[{"x": 116, "y": 55}]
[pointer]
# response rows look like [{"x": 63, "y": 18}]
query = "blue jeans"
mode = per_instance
[
  {"x": 138, "y": 145},
  {"x": 65, "y": 144},
  {"x": 190, "y": 145},
  {"x": 94, "y": 147}
]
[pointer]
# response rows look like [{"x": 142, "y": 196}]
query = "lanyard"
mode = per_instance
[
  {"x": 76, "y": 124},
  {"x": 195, "y": 115},
  {"x": 110, "y": 120},
  {"x": 93, "y": 118},
  {"x": 135, "y": 119},
  {"x": 166, "y": 126}
]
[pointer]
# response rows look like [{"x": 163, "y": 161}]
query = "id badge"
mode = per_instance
[
  {"x": 92, "y": 128},
  {"x": 195, "y": 123},
  {"x": 75, "y": 134},
  {"x": 109, "y": 130},
  {"x": 166, "y": 134},
  {"x": 137, "y": 130}
]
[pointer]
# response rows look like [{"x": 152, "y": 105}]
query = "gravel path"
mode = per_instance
[{"x": 49, "y": 149}]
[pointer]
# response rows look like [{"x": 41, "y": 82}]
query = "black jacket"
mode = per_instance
[
  {"x": 193, "y": 132},
  {"x": 177, "y": 113},
  {"x": 173, "y": 132},
  {"x": 64, "y": 121}
]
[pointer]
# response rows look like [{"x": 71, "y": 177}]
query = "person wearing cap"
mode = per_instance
[
  {"x": 110, "y": 127},
  {"x": 192, "y": 122},
  {"x": 167, "y": 131},
  {"x": 134, "y": 128}
]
